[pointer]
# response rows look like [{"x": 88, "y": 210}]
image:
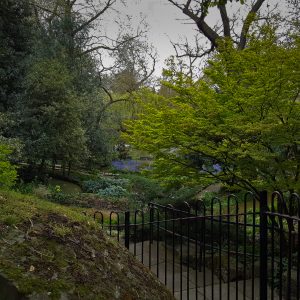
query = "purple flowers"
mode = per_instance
[
  {"x": 217, "y": 168},
  {"x": 129, "y": 165}
]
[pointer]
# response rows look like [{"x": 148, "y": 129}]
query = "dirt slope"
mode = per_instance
[{"x": 49, "y": 251}]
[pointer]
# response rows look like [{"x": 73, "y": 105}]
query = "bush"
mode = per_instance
[
  {"x": 8, "y": 173},
  {"x": 107, "y": 187},
  {"x": 208, "y": 197},
  {"x": 177, "y": 197},
  {"x": 113, "y": 191},
  {"x": 56, "y": 195},
  {"x": 25, "y": 188},
  {"x": 41, "y": 191},
  {"x": 102, "y": 183},
  {"x": 145, "y": 190}
]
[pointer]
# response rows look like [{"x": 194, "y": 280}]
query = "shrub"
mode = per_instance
[
  {"x": 113, "y": 191},
  {"x": 8, "y": 173},
  {"x": 25, "y": 188},
  {"x": 56, "y": 195},
  {"x": 144, "y": 189},
  {"x": 102, "y": 183},
  {"x": 183, "y": 194},
  {"x": 41, "y": 191},
  {"x": 208, "y": 197}
]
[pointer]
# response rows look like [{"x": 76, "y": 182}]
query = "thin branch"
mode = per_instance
[
  {"x": 199, "y": 20},
  {"x": 109, "y": 48},
  {"x": 108, "y": 4},
  {"x": 147, "y": 76},
  {"x": 35, "y": 5},
  {"x": 111, "y": 101}
]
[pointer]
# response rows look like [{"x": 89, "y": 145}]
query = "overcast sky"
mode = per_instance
[{"x": 166, "y": 22}]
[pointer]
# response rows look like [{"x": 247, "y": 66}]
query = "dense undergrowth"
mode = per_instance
[{"x": 123, "y": 190}]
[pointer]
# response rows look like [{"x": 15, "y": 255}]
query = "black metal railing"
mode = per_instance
[{"x": 227, "y": 249}]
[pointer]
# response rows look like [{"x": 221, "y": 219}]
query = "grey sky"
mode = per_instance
[{"x": 166, "y": 22}]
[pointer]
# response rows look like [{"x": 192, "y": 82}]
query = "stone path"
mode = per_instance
[{"x": 194, "y": 284}]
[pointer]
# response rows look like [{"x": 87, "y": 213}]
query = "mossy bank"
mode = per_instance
[{"x": 48, "y": 251}]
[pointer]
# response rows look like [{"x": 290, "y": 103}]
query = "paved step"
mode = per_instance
[{"x": 187, "y": 283}]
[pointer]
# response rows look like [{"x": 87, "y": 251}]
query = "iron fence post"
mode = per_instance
[
  {"x": 151, "y": 223},
  {"x": 127, "y": 228},
  {"x": 263, "y": 245}
]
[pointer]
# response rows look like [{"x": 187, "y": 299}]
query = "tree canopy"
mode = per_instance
[
  {"x": 239, "y": 124},
  {"x": 53, "y": 97}
]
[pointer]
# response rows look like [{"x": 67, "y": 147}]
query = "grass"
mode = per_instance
[
  {"x": 16, "y": 208},
  {"x": 66, "y": 187}
]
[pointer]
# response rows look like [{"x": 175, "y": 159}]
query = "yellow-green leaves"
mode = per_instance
[
  {"x": 242, "y": 115},
  {"x": 8, "y": 173}
]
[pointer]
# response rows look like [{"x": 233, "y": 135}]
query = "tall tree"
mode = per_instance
[
  {"x": 239, "y": 124},
  {"x": 51, "y": 125},
  {"x": 15, "y": 29},
  {"x": 69, "y": 29}
]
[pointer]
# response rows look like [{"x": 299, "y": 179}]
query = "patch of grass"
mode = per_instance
[
  {"x": 19, "y": 208},
  {"x": 61, "y": 230}
]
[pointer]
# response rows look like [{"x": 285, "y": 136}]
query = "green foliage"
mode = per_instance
[
  {"x": 25, "y": 188},
  {"x": 8, "y": 173},
  {"x": 101, "y": 183},
  {"x": 15, "y": 29},
  {"x": 177, "y": 196},
  {"x": 107, "y": 187},
  {"x": 51, "y": 126},
  {"x": 244, "y": 115},
  {"x": 113, "y": 191},
  {"x": 15, "y": 41},
  {"x": 144, "y": 190},
  {"x": 57, "y": 196}
]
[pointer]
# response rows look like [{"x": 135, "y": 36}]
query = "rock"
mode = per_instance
[{"x": 8, "y": 290}]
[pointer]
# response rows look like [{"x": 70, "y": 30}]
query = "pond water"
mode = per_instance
[{"x": 66, "y": 186}]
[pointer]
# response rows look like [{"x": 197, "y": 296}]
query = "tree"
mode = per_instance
[
  {"x": 74, "y": 34},
  {"x": 15, "y": 28},
  {"x": 198, "y": 11},
  {"x": 79, "y": 27},
  {"x": 226, "y": 20},
  {"x": 239, "y": 124},
  {"x": 51, "y": 121}
]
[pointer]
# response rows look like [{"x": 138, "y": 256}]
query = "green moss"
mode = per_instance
[{"x": 52, "y": 249}]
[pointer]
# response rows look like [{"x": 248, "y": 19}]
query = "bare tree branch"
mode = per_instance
[
  {"x": 198, "y": 10},
  {"x": 108, "y": 4},
  {"x": 111, "y": 48},
  {"x": 199, "y": 20},
  {"x": 36, "y": 5},
  {"x": 225, "y": 20}
]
